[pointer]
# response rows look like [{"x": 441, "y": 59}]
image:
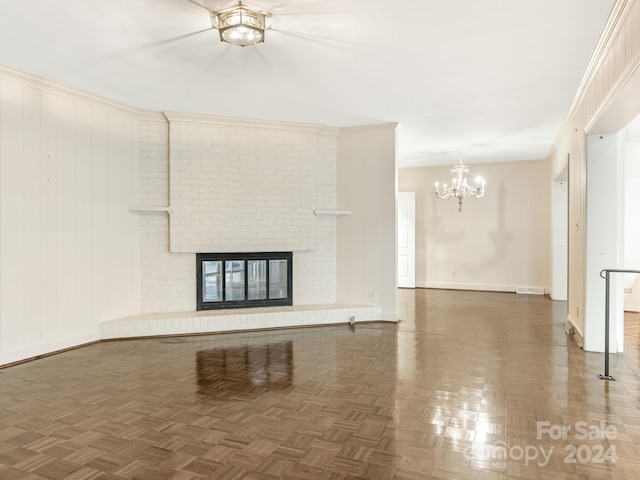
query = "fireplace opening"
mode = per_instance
[{"x": 242, "y": 280}]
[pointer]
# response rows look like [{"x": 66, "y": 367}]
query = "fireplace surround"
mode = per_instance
[{"x": 244, "y": 280}]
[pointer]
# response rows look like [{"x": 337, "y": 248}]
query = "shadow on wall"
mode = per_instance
[
  {"x": 439, "y": 237},
  {"x": 500, "y": 238},
  {"x": 435, "y": 228}
]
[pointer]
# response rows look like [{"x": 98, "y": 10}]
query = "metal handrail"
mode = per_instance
[{"x": 606, "y": 272}]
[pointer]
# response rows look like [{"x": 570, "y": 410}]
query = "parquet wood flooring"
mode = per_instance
[{"x": 465, "y": 387}]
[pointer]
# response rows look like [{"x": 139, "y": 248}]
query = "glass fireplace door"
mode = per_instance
[{"x": 235, "y": 280}]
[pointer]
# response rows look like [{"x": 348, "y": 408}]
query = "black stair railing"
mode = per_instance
[{"x": 607, "y": 274}]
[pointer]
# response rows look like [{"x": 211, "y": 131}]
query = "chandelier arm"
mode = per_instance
[
  {"x": 446, "y": 196},
  {"x": 460, "y": 186}
]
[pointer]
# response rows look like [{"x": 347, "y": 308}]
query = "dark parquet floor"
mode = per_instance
[{"x": 468, "y": 386}]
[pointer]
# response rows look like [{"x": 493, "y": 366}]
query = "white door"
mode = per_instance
[
  {"x": 407, "y": 239},
  {"x": 559, "y": 252}
]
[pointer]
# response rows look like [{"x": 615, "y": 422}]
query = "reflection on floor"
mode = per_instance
[
  {"x": 469, "y": 385},
  {"x": 225, "y": 372}
]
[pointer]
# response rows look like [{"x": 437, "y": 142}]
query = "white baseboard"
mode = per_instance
[
  {"x": 213, "y": 321},
  {"x": 481, "y": 287},
  {"x": 577, "y": 333},
  {"x": 35, "y": 351},
  {"x": 484, "y": 287},
  {"x": 389, "y": 316}
]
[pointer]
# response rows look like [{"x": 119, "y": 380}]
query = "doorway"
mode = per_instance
[{"x": 407, "y": 239}]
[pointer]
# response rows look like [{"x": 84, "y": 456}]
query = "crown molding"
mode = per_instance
[
  {"x": 394, "y": 125},
  {"x": 151, "y": 116},
  {"x": 242, "y": 122},
  {"x": 75, "y": 94},
  {"x": 611, "y": 96},
  {"x": 330, "y": 131},
  {"x": 155, "y": 116},
  {"x": 619, "y": 12}
]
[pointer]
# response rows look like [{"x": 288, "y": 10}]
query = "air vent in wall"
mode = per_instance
[
  {"x": 568, "y": 327},
  {"x": 530, "y": 290}
]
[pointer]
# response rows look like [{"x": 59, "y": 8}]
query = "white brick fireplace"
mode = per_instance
[
  {"x": 233, "y": 187},
  {"x": 214, "y": 185}
]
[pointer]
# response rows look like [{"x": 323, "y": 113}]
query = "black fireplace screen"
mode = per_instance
[{"x": 240, "y": 280}]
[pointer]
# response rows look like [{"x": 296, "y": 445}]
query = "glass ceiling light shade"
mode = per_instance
[
  {"x": 460, "y": 188},
  {"x": 240, "y": 25}
]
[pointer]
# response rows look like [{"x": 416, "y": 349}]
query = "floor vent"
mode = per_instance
[
  {"x": 569, "y": 328},
  {"x": 530, "y": 290}
]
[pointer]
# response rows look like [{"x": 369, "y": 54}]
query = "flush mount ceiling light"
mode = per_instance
[{"x": 240, "y": 25}]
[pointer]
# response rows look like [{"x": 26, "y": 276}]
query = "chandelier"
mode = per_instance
[
  {"x": 240, "y": 25},
  {"x": 460, "y": 188}
]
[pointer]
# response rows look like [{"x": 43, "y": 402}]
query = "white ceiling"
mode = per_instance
[{"x": 490, "y": 80}]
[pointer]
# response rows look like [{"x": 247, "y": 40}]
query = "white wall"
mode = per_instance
[
  {"x": 498, "y": 242},
  {"x": 367, "y": 250},
  {"x": 69, "y": 248},
  {"x": 605, "y": 239},
  {"x": 631, "y": 223}
]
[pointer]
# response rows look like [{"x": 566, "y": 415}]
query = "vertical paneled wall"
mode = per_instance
[
  {"x": 367, "y": 250},
  {"x": 69, "y": 247}
]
